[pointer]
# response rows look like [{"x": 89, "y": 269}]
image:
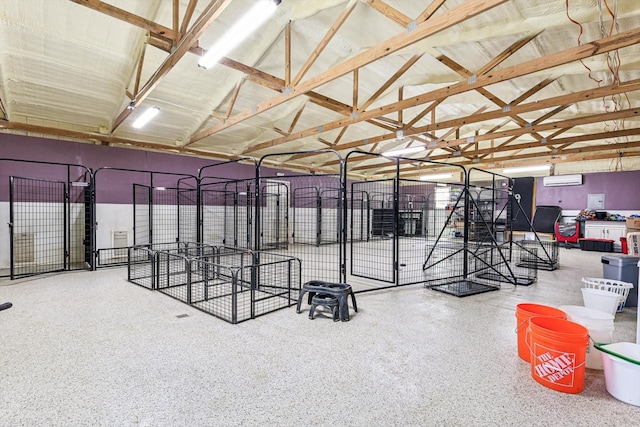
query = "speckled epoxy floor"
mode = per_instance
[{"x": 89, "y": 348}]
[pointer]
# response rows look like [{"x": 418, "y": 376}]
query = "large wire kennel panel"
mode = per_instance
[
  {"x": 316, "y": 215},
  {"x": 243, "y": 285},
  {"x": 482, "y": 260},
  {"x": 145, "y": 269},
  {"x": 490, "y": 221},
  {"x": 49, "y": 217},
  {"x": 419, "y": 203},
  {"x": 138, "y": 207},
  {"x": 227, "y": 199},
  {"x": 402, "y": 214},
  {"x": 373, "y": 257},
  {"x": 301, "y": 215},
  {"x": 227, "y": 213}
]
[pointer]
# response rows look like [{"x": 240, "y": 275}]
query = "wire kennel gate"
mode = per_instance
[
  {"x": 301, "y": 215},
  {"x": 164, "y": 209},
  {"x": 50, "y": 218}
]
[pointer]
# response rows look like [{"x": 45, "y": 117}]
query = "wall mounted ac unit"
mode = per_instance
[{"x": 561, "y": 180}]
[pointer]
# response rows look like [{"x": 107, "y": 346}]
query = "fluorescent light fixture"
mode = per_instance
[
  {"x": 146, "y": 117},
  {"x": 249, "y": 22},
  {"x": 436, "y": 176},
  {"x": 520, "y": 169},
  {"x": 401, "y": 151}
]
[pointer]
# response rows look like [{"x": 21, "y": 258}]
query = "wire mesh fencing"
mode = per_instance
[{"x": 232, "y": 284}]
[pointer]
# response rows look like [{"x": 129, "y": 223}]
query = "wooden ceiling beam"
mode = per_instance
[
  {"x": 505, "y": 54},
  {"x": 611, "y": 150},
  {"x": 534, "y": 89},
  {"x": 430, "y": 109},
  {"x": 131, "y": 18},
  {"x": 325, "y": 41},
  {"x": 136, "y": 85},
  {"x": 394, "y": 14},
  {"x": 566, "y": 142},
  {"x": 391, "y": 80},
  {"x": 535, "y": 122},
  {"x": 430, "y": 10},
  {"x": 287, "y": 54},
  {"x": 186, "y": 19},
  {"x": 210, "y": 14},
  {"x": 233, "y": 99},
  {"x": 569, "y": 55},
  {"x": 176, "y": 19},
  {"x": 356, "y": 86},
  {"x": 434, "y": 25},
  {"x": 568, "y": 99},
  {"x": 264, "y": 79},
  {"x": 564, "y": 124},
  {"x": 462, "y": 71},
  {"x": 509, "y": 157},
  {"x": 296, "y": 118},
  {"x": 366, "y": 104},
  {"x": 3, "y": 110},
  {"x": 455, "y": 124}
]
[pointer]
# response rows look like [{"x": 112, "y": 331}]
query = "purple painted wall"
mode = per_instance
[
  {"x": 621, "y": 190},
  {"x": 111, "y": 186}
]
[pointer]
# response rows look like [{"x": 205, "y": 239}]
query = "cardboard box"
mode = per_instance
[{"x": 633, "y": 223}]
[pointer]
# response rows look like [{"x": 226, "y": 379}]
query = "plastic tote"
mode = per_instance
[
  {"x": 600, "y": 326},
  {"x": 622, "y": 370},
  {"x": 524, "y": 312},
  {"x": 558, "y": 353},
  {"x": 598, "y": 299}
]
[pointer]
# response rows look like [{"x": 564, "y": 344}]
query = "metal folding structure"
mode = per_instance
[
  {"x": 479, "y": 258},
  {"x": 394, "y": 231},
  {"x": 391, "y": 221},
  {"x": 165, "y": 207},
  {"x": 302, "y": 215},
  {"x": 50, "y": 217},
  {"x": 226, "y": 206}
]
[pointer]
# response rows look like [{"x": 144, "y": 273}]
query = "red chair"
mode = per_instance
[{"x": 568, "y": 233}]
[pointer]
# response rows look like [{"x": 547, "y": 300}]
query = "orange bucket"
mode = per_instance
[
  {"x": 558, "y": 353},
  {"x": 523, "y": 313}
]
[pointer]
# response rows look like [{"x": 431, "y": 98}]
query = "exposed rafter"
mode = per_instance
[
  {"x": 324, "y": 42},
  {"x": 434, "y": 25},
  {"x": 210, "y": 14}
]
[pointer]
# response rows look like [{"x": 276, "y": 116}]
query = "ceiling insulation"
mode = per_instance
[{"x": 483, "y": 83}]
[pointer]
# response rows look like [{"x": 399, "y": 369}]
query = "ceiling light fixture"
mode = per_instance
[
  {"x": 249, "y": 22},
  {"x": 146, "y": 117},
  {"x": 436, "y": 176},
  {"x": 401, "y": 151},
  {"x": 521, "y": 169}
]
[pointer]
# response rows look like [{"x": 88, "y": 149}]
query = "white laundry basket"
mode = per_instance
[{"x": 616, "y": 286}]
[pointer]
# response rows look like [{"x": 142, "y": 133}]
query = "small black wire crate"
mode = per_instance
[
  {"x": 449, "y": 268},
  {"x": 539, "y": 254},
  {"x": 493, "y": 264}
]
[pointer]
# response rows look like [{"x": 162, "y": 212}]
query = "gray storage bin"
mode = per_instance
[{"x": 623, "y": 268}]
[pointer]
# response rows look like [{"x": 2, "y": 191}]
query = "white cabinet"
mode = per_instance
[{"x": 605, "y": 230}]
